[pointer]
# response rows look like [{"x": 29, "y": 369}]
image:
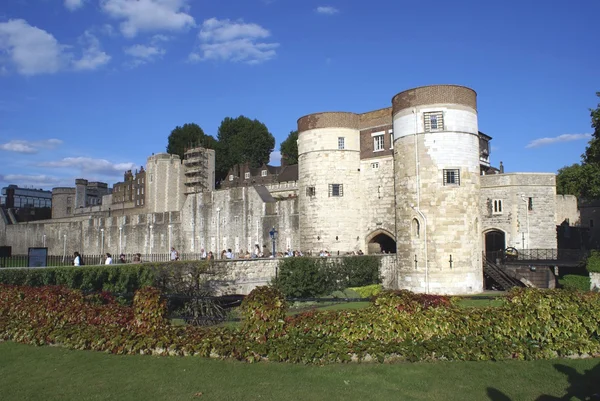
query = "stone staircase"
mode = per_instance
[{"x": 498, "y": 275}]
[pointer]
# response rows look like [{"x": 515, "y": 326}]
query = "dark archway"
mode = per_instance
[
  {"x": 495, "y": 241},
  {"x": 382, "y": 243}
]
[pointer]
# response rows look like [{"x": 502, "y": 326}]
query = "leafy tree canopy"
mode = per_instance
[
  {"x": 583, "y": 180},
  {"x": 289, "y": 148},
  {"x": 188, "y": 136},
  {"x": 242, "y": 140}
]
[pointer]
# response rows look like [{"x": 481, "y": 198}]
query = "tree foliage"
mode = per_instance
[
  {"x": 188, "y": 136},
  {"x": 289, "y": 148},
  {"x": 242, "y": 140},
  {"x": 583, "y": 180}
]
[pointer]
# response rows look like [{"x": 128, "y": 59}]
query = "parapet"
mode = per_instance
[
  {"x": 81, "y": 181},
  {"x": 63, "y": 190},
  {"x": 434, "y": 94},
  {"x": 335, "y": 119}
]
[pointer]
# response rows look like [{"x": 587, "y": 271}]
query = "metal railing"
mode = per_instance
[{"x": 516, "y": 255}]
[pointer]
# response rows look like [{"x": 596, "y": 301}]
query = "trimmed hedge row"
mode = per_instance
[
  {"x": 593, "y": 262},
  {"x": 311, "y": 277},
  {"x": 120, "y": 279},
  {"x": 397, "y": 326}
]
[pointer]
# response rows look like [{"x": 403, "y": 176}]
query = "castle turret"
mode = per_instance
[
  {"x": 80, "y": 193},
  {"x": 436, "y": 153},
  {"x": 328, "y": 181}
]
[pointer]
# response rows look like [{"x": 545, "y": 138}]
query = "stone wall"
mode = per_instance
[
  {"x": 242, "y": 276},
  {"x": 594, "y": 281},
  {"x": 567, "y": 210},
  {"x": 527, "y": 224}
]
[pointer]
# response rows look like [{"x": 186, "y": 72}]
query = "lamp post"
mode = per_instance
[
  {"x": 273, "y": 235},
  {"x": 120, "y": 240},
  {"x": 102, "y": 243}
]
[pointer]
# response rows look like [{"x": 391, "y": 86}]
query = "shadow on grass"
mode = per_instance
[{"x": 584, "y": 387}]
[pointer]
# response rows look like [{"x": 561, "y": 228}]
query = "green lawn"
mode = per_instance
[{"x": 51, "y": 373}]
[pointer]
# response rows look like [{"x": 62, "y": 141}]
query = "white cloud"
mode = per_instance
[
  {"x": 536, "y": 143},
  {"x": 233, "y": 41},
  {"x": 326, "y": 10},
  {"x": 149, "y": 15},
  {"x": 32, "y": 50},
  {"x": 144, "y": 52},
  {"x": 93, "y": 57},
  {"x": 74, "y": 4},
  {"x": 41, "y": 180},
  {"x": 275, "y": 158},
  {"x": 90, "y": 166},
  {"x": 20, "y": 146}
]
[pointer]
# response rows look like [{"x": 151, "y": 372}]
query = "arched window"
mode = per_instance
[{"x": 416, "y": 227}]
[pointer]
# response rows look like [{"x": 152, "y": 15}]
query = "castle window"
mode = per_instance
[
  {"x": 591, "y": 222},
  {"x": 69, "y": 210},
  {"x": 451, "y": 176},
  {"x": 378, "y": 143},
  {"x": 433, "y": 121},
  {"x": 497, "y": 206},
  {"x": 142, "y": 190},
  {"x": 530, "y": 204},
  {"x": 310, "y": 191},
  {"x": 391, "y": 132},
  {"x": 375, "y": 166},
  {"x": 416, "y": 228},
  {"x": 247, "y": 176},
  {"x": 341, "y": 144},
  {"x": 142, "y": 180},
  {"x": 263, "y": 173},
  {"x": 151, "y": 177},
  {"x": 336, "y": 190},
  {"x": 231, "y": 177}
]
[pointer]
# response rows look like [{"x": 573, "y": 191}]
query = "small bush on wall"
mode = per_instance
[
  {"x": 574, "y": 282},
  {"x": 593, "y": 262}
]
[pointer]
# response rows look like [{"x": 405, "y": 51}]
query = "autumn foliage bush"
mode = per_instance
[{"x": 398, "y": 325}]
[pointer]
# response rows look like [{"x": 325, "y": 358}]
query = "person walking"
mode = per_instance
[
  {"x": 77, "y": 259},
  {"x": 174, "y": 254},
  {"x": 108, "y": 260}
]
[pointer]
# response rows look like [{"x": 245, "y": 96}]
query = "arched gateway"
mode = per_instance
[{"x": 381, "y": 241}]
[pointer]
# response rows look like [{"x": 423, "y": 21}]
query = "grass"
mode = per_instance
[{"x": 52, "y": 373}]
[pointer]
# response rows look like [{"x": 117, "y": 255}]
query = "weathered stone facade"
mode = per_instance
[{"x": 405, "y": 179}]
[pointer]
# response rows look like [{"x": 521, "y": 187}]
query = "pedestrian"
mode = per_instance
[
  {"x": 122, "y": 258},
  {"x": 174, "y": 254},
  {"x": 77, "y": 259},
  {"x": 108, "y": 260}
]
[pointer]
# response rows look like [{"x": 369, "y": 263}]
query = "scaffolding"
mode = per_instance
[{"x": 195, "y": 161}]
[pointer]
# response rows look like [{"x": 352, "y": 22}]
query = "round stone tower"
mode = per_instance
[
  {"x": 436, "y": 162},
  {"x": 328, "y": 182}
]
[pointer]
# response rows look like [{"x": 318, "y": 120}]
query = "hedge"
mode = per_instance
[
  {"x": 311, "y": 277},
  {"x": 120, "y": 279},
  {"x": 574, "y": 282},
  {"x": 397, "y": 326},
  {"x": 593, "y": 262}
]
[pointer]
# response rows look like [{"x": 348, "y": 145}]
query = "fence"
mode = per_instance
[{"x": 515, "y": 255}]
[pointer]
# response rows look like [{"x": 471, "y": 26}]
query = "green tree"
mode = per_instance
[
  {"x": 242, "y": 140},
  {"x": 188, "y": 136},
  {"x": 289, "y": 148},
  {"x": 592, "y": 151},
  {"x": 583, "y": 180}
]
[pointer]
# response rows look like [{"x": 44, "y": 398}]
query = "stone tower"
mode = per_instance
[
  {"x": 437, "y": 179},
  {"x": 328, "y": 176}
]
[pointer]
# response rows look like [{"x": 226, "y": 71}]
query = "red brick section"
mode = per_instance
[
  {"x": 328, "y": 120},
  {"x": 436, "y": 94}
]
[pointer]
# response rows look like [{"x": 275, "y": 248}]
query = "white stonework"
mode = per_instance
[
  {"x": 594, "y": 281},
  {"x": 394, "y": 191}
]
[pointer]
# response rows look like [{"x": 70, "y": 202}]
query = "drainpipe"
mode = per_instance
[
  {"x": 527, "y": 217},
  {"x": 418, "y": 208},
  {"x": 218, "y": 228}
]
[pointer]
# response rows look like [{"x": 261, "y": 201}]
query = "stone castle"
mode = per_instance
[{"x": 413, "y": 179}]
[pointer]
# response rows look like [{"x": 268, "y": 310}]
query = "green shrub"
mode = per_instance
[
  {"x": 338, "y": 294},
  {"x": 263, "y": 311},
  {"x": 350, "y": 293},
  {"x": 368, "y": 291},
  {"x": 311, "y": 277},
  {"x": 122, "y": 279},
  {"x": 574, "y": 282},
  {"x": 593, "y": 262}
]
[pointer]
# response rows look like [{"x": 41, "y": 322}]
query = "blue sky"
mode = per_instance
[{"x": 90, "y": 88}]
